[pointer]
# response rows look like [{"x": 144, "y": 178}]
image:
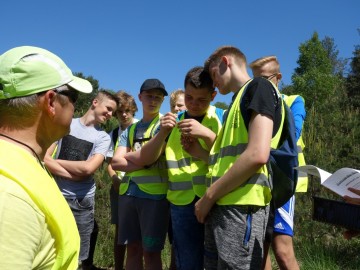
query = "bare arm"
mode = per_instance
[
  {"x": 191, "y": 127},
  {"x": 54, "y": 167},
  {"x": 116, "y": 180},
  {"x": 120, "y": 163},
  {"x": 255, "y": 155},
  {"x": 152, "y": 150},
  {"x": 82, "y": 168},
  {"x": 194, "y": 148}
]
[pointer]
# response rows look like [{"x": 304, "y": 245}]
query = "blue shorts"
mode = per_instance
[
  {"x": 284, "y": 218},
  {"x": 83, "y": 211}
]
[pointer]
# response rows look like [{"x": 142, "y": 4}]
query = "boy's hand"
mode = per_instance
[
  {"x": 168, "y": 122},
  {"x": 191, "y": 127},
  {"x": 352, "y": 200},
  {"x": 202, "y": 208}
]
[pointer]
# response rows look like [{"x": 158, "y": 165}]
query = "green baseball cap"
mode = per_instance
[{"x": 29, "y": 70}]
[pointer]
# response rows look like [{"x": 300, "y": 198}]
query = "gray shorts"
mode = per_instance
[
  {"x": 83, "y": 211},
  {"x": 143, "y": 220},
  {"x": 114, "y": 204},
  {"x": 234, "y": 237}
]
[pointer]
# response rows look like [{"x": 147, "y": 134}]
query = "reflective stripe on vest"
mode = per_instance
[
  {"x": 302, "y": 184},
  {"x": 153, "y": 180},
  {"x": 229, "y": 145},
  {"x": 187, "y": 174}
]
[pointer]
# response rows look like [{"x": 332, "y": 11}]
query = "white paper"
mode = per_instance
[{"x": 338, "y": 182}]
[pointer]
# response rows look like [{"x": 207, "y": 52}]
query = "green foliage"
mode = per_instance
[
  {"x": 353, "y": 80},
  {"x": 313, "y": 56},
  {"x": 221, "y": 105},
  {"x": 84, "y": 101},
  {"x": 338, "y": 64},
  {"x": 328, "y": 252}
]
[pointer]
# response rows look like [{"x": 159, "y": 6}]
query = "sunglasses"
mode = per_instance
[
  {"x": 270, "y": 76},
  {"x": 64, "y": 90}
]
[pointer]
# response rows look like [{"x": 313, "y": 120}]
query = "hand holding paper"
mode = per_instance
[{"x": 338, "y": 182}]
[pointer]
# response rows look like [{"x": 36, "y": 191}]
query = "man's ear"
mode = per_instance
[
  {"x": 49, "y": 102},
  {"x": 279, "y": 76}
]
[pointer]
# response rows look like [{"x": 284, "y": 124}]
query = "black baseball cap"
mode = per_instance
[{"x": 153, "y": 84}]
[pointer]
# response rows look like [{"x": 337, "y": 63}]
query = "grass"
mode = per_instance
[{"x": 318, "y": 246}]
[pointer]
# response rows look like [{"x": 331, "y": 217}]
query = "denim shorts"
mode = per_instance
[
  {"x": 143, "y": 220},
  {"x": 83, "y": 210},
  {"x": 188, "y": 237}
]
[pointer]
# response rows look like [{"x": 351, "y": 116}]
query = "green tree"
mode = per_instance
[
  {"x": 353, "y": 79},
  {"x": 84, "y": 101},
  {"x": 338, "y": 64},
  {"x": 329, "y": 126},
  {"x": 314, "y": 77},
  {"x": 221, "y": 105}
]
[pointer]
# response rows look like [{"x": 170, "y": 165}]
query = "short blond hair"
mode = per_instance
[
  {"x": 260, "y": 62},
  {"x": 173, "y": 97},
  {"x": 216, "y": 56}
]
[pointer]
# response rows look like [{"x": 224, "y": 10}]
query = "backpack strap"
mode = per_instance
[{"x": 115, "y": 135}]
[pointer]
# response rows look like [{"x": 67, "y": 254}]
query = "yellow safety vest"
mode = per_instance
[
  {"x": 153, "y": 180},
  {"x": 302, "y": 183},
  {"x": 187, "y": 174},
  {"x": 228, "y": 146},
  {"x": 43, "y": 190}
]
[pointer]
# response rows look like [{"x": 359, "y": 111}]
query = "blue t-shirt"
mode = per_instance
[{"x": 298, "y": 110}]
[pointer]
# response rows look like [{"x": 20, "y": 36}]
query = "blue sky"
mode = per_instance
[{"x": 122, "y": 43}]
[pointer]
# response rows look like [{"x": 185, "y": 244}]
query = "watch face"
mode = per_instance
[{"x": 137, "y": 146}]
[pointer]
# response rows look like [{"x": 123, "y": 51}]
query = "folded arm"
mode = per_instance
[{"x": 152, "y": 150}]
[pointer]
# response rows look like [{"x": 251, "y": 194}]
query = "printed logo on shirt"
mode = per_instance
[{"x": 279, "y": 226}]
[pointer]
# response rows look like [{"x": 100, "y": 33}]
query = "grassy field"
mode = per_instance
[{"x": 318, "y": 246}]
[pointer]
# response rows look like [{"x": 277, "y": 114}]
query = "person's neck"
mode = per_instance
[
  {"x": 240, "y": 83},
  {"x": 88, "y": 119},
  {"x": 125, "y": 126},
  {"x": 147, "y": 117},
  {"x": 27, "y": 140}
]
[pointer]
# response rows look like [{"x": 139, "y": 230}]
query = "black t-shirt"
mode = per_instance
[
  {"x": 197, "y": 118},
  {"x": 261, "y": 97}
]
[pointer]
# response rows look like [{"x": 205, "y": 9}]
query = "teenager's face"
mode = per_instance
[
  {"x": 125, "y": 116},
  {"x": 104, "y": 109},
  {"x": 179, "y": 104},
  {"x": 197, "y": 100},
  {"x": 151, "y": 100},
  {"x": 220, "y": 74}
]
